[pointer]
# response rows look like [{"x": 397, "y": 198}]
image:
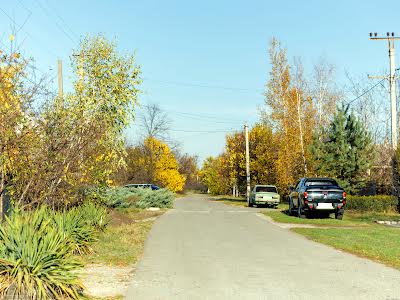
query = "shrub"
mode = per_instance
[
  {"x": 380, "y": 203},
  {"x": 36, "y": 261},
  {"x": 77, "y": 229},
  {"x": 162, "y": 198},
  {"x": 94, "y": 215},
  {"x": 113, "y": 198}
]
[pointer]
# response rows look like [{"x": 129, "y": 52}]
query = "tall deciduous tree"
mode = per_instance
[
  {"x": 79, "y": 138},
  {"x": 290, "y": 110}
]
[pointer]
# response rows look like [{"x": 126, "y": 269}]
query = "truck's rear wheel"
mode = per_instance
[
  {"x": 300, "y": 213},
  {"x": 290, "y": 209},
  {"x": 339, "y": 214}
]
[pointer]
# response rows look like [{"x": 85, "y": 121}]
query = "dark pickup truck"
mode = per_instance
[{"x": 321, "y": 196}]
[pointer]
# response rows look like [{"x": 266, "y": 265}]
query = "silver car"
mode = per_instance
[{"x": 264, "y": 194}]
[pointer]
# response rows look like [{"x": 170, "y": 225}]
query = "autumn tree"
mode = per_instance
[
  {"x": 79, "y": 138},
  {"x": 18, "y": 134},
  {"x": 187, "y": 166},
  {"x": 290, "y": 111},
  {"x": 214, "y": 175}
]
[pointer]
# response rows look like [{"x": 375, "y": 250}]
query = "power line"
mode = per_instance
[
  {"x": 365, "y": 92},
  {"x": 208, "y": 86},
  {"x": 62, "y": 20},
  {"x": 194, "y": 131},
  {"x": 27, "y": 33},
  {"x": 206, "y": 117},
  {"x": 55, "y": 22}
]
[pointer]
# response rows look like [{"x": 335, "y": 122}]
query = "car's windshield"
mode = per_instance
[
  {"x": 321, "y": 182},
  {"x": 266, "y": 189}
]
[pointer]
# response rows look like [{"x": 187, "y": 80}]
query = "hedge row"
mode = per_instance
[{"x": 380, "y": 203}]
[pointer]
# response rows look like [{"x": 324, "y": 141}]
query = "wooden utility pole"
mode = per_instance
[
  {"x": 60, "y": 79},
  {"x": 246, "y": 132}
]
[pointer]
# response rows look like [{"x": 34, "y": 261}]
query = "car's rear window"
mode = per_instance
[
  {"x": 321, "y": 182},
  {"x": 266, "y": 189}
]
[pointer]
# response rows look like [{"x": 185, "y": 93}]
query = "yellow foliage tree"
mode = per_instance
[
  {"x": 292, "y": 114},
  {"x": 161, "y": 162}
]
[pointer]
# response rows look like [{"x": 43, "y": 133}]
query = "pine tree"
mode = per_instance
[{"x": 344, "y": 151}]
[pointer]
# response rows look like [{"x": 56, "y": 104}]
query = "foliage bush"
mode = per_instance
[
  {"x": 114, "y": 197},
  {"x": 94, "y": 215},
  {"x": 162, "y": 198},
  {"x": 36, "y": 260},
  {"x": 379, "y": 203},
  {"x": 122, "y": 197}
]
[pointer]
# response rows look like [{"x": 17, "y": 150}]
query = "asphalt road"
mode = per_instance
[{"x": 207, "y": 250}]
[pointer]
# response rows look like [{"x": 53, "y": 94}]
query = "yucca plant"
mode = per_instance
[
  {"x": 94, "y": 215},
  {"x": 73, "y": 226},
  {"x": 36, "y": 260}
]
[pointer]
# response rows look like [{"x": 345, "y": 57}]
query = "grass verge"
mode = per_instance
[
  {"x": 348, "y": 220},
  {"x": 123, "y": 241},
  {"x": 238, "y": 201},
  {"x": 378, "y": 243},
  {"x": 365, "y": 239}
]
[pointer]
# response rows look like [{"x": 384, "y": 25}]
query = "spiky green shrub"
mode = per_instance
[
  {"x": 36, "y": 260},
  {"x": 95, "y": 215},
  {"x": 162, "y": 198},
  {"x": 75, "y": 227}
]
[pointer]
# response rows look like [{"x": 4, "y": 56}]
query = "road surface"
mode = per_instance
[{"x": 207, "y": 250}]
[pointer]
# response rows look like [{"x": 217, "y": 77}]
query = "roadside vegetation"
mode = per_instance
[
  {"x": 61, "y": 162},
  {"x": 363, "y": 236},
  {"x": 378, "y": 243}
]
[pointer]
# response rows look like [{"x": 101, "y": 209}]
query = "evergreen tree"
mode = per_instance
[{"x": 343, "y": 150}]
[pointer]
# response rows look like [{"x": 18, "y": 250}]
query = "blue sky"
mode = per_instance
[{"x": 206, "y": 59}]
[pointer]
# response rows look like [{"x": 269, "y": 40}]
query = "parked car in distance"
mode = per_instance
[
  {"x": 313, "y": 196},
  {"x": 143, "y": 186},
  {"x": 264, "y": 194}
]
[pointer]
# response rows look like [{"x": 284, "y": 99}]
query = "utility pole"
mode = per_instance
[
  {"x": 60, "y": 79},
  {"x": 390, "y": 38},
  {"x": 246, "y": 132}
]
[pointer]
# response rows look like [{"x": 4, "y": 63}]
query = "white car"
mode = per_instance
[{"x": 265, "y": 195}]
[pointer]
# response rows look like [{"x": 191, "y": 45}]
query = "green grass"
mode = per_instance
[
  {"x": 348, "y": 220},
  {"x": 378, "y": 243},
  {"x": 366, "y": 238},
  {"x": 122, "y": 243}
]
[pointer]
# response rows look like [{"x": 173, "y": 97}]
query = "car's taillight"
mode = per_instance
[
  {"x": 305, "y": 194},
  {"x": 344, "y": 195}
]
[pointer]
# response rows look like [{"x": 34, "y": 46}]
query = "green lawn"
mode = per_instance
[
  {"x": 378, "y": 243},
  {"x": 367, "y": 239},
  {"x": 348, "y": 220}
]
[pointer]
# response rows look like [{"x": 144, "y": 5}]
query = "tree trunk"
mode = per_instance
[{"x": 300, "y": 123}]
